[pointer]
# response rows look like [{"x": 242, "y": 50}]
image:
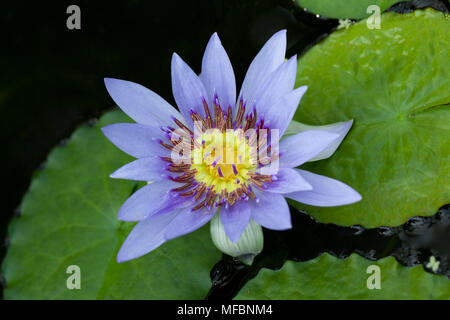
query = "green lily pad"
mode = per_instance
[
  {"x": 327, "y": 277},
  {"x": 394, "y": 83},
  {"x": 344, "y": 9},
  {"x": 69, "y": 217}
]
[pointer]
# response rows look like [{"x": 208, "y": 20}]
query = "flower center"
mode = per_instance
[{"x": 222, "y": 160}]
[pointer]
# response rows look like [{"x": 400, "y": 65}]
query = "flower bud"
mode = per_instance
[{"x": 249, "y": 245}]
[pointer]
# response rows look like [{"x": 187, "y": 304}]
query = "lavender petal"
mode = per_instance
[
  {"x": 138, "y": 140},
  {"x": 280, "y": 115},
  {"x": 188, "y": 90},
  {"x": 217, "y": 74},
  {"x": 297, "y": 149},
  {"x": 287, "y": 181},
  {"x": 235, "y": 219},
  {"x": 146, "y": 236},
  {"x": 148, "y": 200},
  {"x": 188, "y": 221},
  {"x": 141, "y": 104},
  {"x": 326, "y": 192},
  {"x": 279, "y": 83},
  {"x": 271, "y": 211},
  {"x": 144, "y": 169},
  {"x": 266, "y": 61}
]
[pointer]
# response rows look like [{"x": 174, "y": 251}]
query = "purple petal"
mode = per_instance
[
  {"x": 144, "y": 169},
  {"x": 141, "y": 104},
  {"x": 266, "y": 61},
  {"x": 138, "y": 140},
  {"x": 288, "y": 180},
  {"x": 271, "y": 211},
  {"x": 326, "y": 192},
  {"x": 188, "y": 221},
  {"x": 297, "y": 149},
  {"x": 148, "y": 201},
  {"x": 188, "y": 90},
  {"x": 217, "y": 74},
  {"x": 278, "y": 84},
  {"x": 235, "y": 219},
  {"x": 146, "y": 236},
  {"x": 280, "y": 115},
  {"x": 340, "y": 128}
]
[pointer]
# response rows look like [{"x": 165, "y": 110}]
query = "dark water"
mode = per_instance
[
  {"x": 411, "y": 244},
  {"x": 51, "y": 78}
]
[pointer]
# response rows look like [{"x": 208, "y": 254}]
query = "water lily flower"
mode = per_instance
[{"x": 185, "y": 155}]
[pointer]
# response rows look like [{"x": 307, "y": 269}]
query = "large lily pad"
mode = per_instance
[
  {"x": 343, "y": 9},
  {"x": 69, "y": 217},
  {"x": 394, "y": 83},
  {"x": 327, "y": 277}
]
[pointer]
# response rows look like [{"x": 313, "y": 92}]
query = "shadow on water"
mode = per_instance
[{"x": 411, "y": 244}]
